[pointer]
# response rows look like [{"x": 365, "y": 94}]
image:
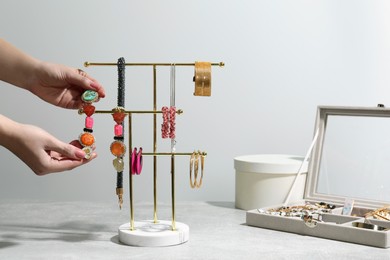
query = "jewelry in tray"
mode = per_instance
[
  {"x": 87, "y": 139},
  {"x": 300, "y": 210},
  {"x": 380, "y": 214},
  {"x": 311, "y": 214}
]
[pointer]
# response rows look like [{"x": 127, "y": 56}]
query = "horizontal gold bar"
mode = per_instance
[
  {"x": 169, "y": 154},
  {"x": 179, "y": 112},
  {"x": 87, "y": 64}
]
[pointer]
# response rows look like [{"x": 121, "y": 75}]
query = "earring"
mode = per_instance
[
  {"x": 86, "y": 139},
  {"x": 134, "y": 161},
  {"x": 139, "y": 161}
]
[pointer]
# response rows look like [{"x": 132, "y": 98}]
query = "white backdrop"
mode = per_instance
[{"x": 283, "y": 58}]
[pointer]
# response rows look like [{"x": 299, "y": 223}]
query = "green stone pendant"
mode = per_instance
[
  {"x": 118, "y": 164},
  {"x": 90, "y": 96}
]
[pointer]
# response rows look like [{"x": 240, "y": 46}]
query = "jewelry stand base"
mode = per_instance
[{"x": 149, "y": 234}]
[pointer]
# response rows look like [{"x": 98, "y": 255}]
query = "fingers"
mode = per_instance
[
  {"x": 61, "y": 153},
  {"x": 82, "y": 79},
  {"x": 63, "y": 157},
  {"x": 67, "y": 150},
  {"x": 71, "y": 151}
]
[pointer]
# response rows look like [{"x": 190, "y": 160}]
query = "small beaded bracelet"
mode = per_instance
[
  {"x": 168, "y": 127},
  {"x": 86, "y": 139}
]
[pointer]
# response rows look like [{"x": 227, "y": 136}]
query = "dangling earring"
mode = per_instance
[
  {"x": 134, "y": 161},
  {"x": 86, "y": 139},
  {"x": 139, "y": 161}
]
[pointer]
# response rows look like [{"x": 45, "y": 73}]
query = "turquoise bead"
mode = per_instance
[{"x": 90, "y": 96}]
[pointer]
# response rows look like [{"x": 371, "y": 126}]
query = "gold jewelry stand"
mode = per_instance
[{"x": 168, "y": 240}]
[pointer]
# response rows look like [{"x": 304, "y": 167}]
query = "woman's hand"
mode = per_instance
[
  {"x": 62, "y": 86},
  {"x": 39, "y": 150},
  {"x": 57, "y": 84}
]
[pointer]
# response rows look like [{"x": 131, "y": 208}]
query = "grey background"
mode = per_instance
[{"x": 283, "y": 58}]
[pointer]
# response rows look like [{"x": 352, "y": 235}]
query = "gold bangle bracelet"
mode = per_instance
[
  {"x": 197, "y": 157},
  {"x": 202, "y": 78},
  {"x": 196, "y": 169},
  {"x": 201, "y": 169},
  {"x": 192, "y": 159}
]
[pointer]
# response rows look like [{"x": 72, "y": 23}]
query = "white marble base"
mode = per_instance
[{"x": 150, "y": 234}]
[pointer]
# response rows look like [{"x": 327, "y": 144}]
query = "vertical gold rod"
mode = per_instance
[
  {"x": 131, "y": 176},
  {"x": 173, "y": 191},
  {"x": 154, "y": 144}
]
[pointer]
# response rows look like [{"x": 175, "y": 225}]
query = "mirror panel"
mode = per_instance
[{"x": 355, "y": 159}]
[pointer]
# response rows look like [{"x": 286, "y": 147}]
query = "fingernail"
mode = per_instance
[{"x": 80, "y": 154}]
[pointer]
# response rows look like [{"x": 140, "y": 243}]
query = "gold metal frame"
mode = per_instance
[{"x": 154, "y": 153}]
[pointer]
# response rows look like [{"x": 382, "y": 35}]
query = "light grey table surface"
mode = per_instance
[{"x": 86, "y": 230}]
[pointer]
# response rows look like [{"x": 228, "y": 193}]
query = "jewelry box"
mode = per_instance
[{"x": 347, "y": 192}]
